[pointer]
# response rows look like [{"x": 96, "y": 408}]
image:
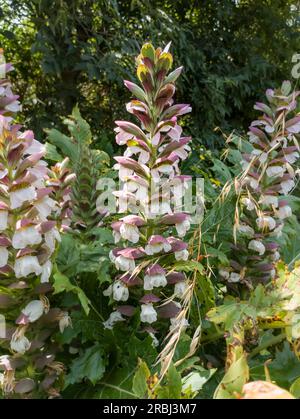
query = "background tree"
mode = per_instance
[{"x": 78, "y": 51}]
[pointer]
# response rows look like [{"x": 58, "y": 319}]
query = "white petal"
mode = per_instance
[
  {"x": 24, "y": 237},
  {"x": 27, "y": 265},
  {"x": 46, "y": 271},
  {"x": 18, "y": 197},
  {"x": 34, "y": 310},
  {"x": 148, "y": 314},
  {"x": 3, "y": 256},
  {"x": 3, "y": 220}
]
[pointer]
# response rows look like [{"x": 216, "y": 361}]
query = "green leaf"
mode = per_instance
[
  {"x": 205, "y": 292},
  {"x": 174, "y": 383},
  {"x": 285, "y": 368},
  {"x": 218, "y": 254},
  {"x": 231, "y": 313},
  {"x": 188, "y": 266},
  {"x": 234, "y": 380},
  {"x": 64, "y": 143},
  {"x": 118, "y": 384},
  {"x": 173, "y": 76},
  {"x": 171, "y": 388},
  {"x": 52, "y": 153},
  {"x": 195, "y": 380},
  {"x": 62, "y": 283},
  {"x": 139, "y": 385},
  {"x": 90, "y": 364},
  {"x": 295, "y": 388}
]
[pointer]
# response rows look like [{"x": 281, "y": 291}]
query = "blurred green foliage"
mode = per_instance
[{"x": 79, "y": 51}]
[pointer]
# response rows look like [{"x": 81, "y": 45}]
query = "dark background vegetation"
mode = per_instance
[{"x": 79, "y": 51}]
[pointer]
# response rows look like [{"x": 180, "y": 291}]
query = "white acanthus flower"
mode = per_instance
[
  {"x": 19, "y": 342},
  {"x": 116, "y": 235},
  {"x": 257, "y": 246},
  {"x": 178, "y": 323},
  {"x": 275, "y": 171},
  {"x": 180, "y": 288},
  {"x": 51, "y": 237},
  {"x": 182, "y": 255},
  {"x": 34, "y": 310},
  {"x": 234, "y": 277},
  {"x": 143, "y": 154},
  {"x": 266, "y": 221},
  {"x": 26, "y": 236},
  {"x": 284, "y": 212},
  {"x": 130, "y": 232},
  {"x": 3, "y": 173},
  {"x": 269, "y": 200},
  {"x": 224, "y": 273},
  {"x": 64, "y": 321},
  {"x": 275, "y": 256},
  {"x": 108, "y": 291},
  {"x": 277, "y": 232},
  {"x": 245, "y": 230},
  {"x": 45, "y": 206},
  {"x": 252, "y": 182},
  {"x": 249, "y": 204},
  {"x": 262, "y": 156},
  {"x": 3, "y": 256},
  {"x": 27, "y": 265},
  {"x": 35, "y": 147},
  {"x": 292, "y": 157},
  {"x": 3, "y": 219},
  {"x": 19, "y": 196},
  {"x": 124, "y": 264},
  {"x": 120, "y": 291},
  {"x": 124, "y": 173},
  {"x": 286, "y": 186},
  {"x": 112, "y": 256},
  {"x": 252, "y": 137},
  {"x": 114, "y": 318},
  {"x": 13, "y": 107},
  {"x": 148, "y": 313},
  {"x": 183, "y": 227},
  {"x": 154, "y": 281},
  {"x": 46, "y": 271},
  {"x": 155, "y": 341},
  {"x": 152, "y": 249},
  {"x": 159, "y": 206}
]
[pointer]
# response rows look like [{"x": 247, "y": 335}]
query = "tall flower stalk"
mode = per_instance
[
  {"x": 32, "y": 206},
  {"x": 268, "y": 176},
  {"x": 152, "y": 228}
]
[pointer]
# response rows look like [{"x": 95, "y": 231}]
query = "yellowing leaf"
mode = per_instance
[
  {"x": 234, "y": 380},
  {"x": 142, "y": 72},
  {"x": 148, "y": 51}
]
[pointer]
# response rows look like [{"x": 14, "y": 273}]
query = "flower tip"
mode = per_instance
[{"x": 167, "y": 47}]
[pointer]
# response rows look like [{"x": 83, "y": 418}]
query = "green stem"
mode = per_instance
[{"x": 270, "y": 342}]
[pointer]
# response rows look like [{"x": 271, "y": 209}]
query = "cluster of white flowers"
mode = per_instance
[
  {"x": 268, "y": 176},
  {"x": 149, "y": 170},
  {"x": 30, "y": 220}
]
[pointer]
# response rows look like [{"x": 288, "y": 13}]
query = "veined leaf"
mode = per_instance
[
  {"x": 90, "y": 364},
  {"x": 62, "y": 283},
  {"x": 139, "y": 385},
  {"x": 234, "y": 380}
]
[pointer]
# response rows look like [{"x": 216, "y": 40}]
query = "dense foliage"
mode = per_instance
[{"x": 79, "y": 51}]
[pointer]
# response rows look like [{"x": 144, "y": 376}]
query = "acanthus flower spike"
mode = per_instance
[
  {"x": 269, "y": 176},
  {"x": 31, "y": 215},
  {"x": 152, "y": 184}
]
